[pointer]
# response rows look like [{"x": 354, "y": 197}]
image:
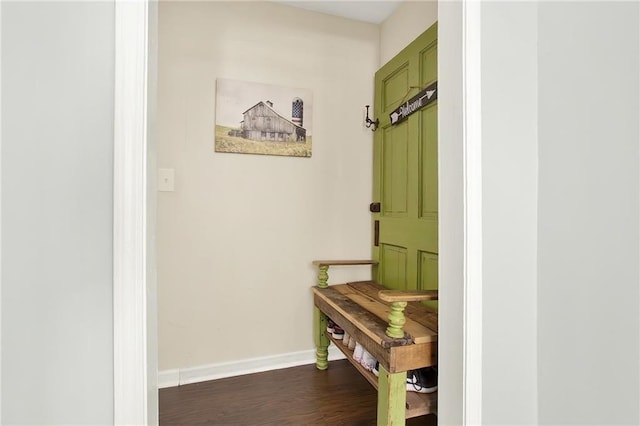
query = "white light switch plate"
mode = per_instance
[{"x": 166, "y": 180}]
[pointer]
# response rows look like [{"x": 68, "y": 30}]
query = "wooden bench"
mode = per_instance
[{"x": 393, "y": 326}]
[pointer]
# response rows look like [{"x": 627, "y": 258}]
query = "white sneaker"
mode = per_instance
[
  {"x": 375, "y": 370},
  {"x": 352, "y": 343},
  {"x": 357, "y": 352},
  {"x": 330, "y": 325},
  {"x": 346, "y": 339},
  {"x": 368, "y": 361},
  {"x": 338, "y": 333}
]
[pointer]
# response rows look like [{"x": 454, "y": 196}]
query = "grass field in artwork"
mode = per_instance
[{"x": 226, "y": 143}]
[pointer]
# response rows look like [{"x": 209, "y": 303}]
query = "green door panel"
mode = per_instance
[
  {"x": 394, "y": 85},
  {"x": 429, "y": 63},
  {"x": 405, "y": 166},
  {"x": 428, "y": 273},
  {"x": 394, "y": 266},
  {"x": 395, "y": 146},
  {"x": 429, "y": 163}
]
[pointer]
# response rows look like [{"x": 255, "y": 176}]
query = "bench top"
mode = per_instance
[{"x": 360, "y": 304}]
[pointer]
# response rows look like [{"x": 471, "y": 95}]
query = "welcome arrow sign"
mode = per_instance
[{"x": 421, "y": 100}]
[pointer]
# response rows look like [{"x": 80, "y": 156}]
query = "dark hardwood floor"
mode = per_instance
[{"x": 293, "y": 396}]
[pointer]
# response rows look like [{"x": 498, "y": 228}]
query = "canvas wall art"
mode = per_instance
[{"x": 255, "y": 118}]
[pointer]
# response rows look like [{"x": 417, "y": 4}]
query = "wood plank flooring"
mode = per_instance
[{"x": 303, "y": 395}]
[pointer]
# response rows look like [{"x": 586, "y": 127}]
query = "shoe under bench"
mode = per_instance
[{"x": 393, "y": 326}]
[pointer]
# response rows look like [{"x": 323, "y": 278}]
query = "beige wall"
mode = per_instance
[
  {"x": 236, "y": 238},
  {"x": 408, "y": 21}
]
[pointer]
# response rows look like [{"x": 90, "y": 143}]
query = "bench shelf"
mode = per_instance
[{"x": 418, "y": 404}]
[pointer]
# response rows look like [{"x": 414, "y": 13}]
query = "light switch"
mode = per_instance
[{"x": 166, "y": 180}]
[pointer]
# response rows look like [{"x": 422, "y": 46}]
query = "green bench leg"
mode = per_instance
[
  {"x": 392, "y": 398},
  {"x": 321, "y": 339}
]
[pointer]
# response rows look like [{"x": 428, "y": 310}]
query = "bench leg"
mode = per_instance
[
  {"x": 321, "y": 339},
  {"x": 392, "y": 397}
]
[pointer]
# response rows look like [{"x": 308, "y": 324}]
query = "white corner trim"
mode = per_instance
[
  {"x": 472, "y": 172},
  {"x": 0, "y": 221},
  {"x": 129, "y": 214},
  {"x": 177, "y": 377}
]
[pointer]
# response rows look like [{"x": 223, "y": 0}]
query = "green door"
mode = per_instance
[{"x": 405, "y": 167}]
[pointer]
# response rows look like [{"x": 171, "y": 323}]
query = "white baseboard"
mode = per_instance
[
  {"x": 168, "y": 378},
  {"x": 184, "y": 376}
]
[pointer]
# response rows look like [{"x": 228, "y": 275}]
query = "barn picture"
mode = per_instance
[
  {"x": 254, "y": 118},
  {"x": 262, "y": 123}
]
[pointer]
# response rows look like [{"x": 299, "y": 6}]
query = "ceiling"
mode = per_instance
[{"x": 367, "y": 11}]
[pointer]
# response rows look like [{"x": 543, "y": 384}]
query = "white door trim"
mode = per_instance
[
  {"x": 0, "y": 221},
  {"x": 130, "y": 214},
  {"x": 131, "y": 378},
  {"x": 472, "y": 216}
]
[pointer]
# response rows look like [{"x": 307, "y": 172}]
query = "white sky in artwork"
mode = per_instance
[{"x": 235, "y": 97}]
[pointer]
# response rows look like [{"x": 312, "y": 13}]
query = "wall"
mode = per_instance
[
  {"x": 577, "y": 207},
  {"x": 408, "y": 21},
  {"x": 57, "y": 148},
  {"x": 450, "y": 215},
  {"x": 509, "y": 211},
  {"x": 588, "y": 213},
  {"x": 237, "y": 237}
]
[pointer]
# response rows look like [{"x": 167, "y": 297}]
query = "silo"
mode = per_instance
[{"x": 297, "y": 108}]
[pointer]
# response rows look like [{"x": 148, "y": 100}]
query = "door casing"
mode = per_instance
[{"x": 461, "y": 245}]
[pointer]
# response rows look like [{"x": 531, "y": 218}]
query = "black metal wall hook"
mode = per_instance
[{"x": 369, "y": 122}]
